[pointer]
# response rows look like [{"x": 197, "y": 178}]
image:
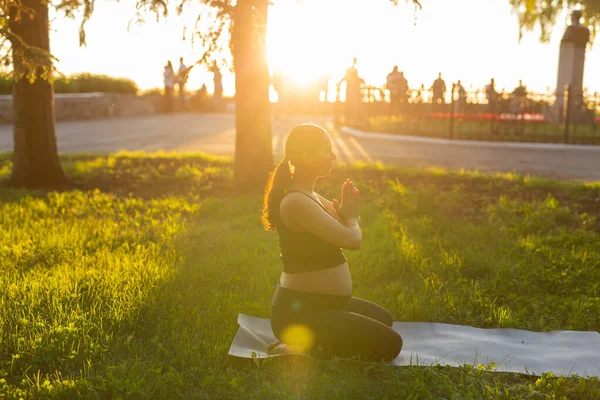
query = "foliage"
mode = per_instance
[
  {"x": 14, "y": 51},
  {"x": 24, "y": 58},
  {"x": 131, "y": 290},
  {"x": 152, "y": 92},
  {"x": 89, "y": 83},
  {"x": 81, "y": 83},
  {"x": 544, "y": 14}
]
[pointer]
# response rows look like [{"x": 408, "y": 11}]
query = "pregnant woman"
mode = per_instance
[{"x": 313, "y": 310}]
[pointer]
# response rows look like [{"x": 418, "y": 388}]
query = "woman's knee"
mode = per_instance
[
  {"x": 387, "y": 317},
  {"x": 396, "y": 346},
  {"x": 383, "y": 344},
  {"x": 371, "y": 310},
  {"x": 390, "y": 348}
]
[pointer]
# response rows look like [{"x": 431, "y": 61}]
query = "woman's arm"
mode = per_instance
[{"x": 299, "y": 212}]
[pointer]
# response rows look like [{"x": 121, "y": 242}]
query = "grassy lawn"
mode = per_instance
[
  {"x": 130, "y": 287},
  {"x": 506, "y": 131}
]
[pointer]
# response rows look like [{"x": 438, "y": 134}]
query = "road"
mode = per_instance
[{"x": 215, "y": 133}]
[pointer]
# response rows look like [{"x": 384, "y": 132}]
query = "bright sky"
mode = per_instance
[{"x": 470, "y": 40}]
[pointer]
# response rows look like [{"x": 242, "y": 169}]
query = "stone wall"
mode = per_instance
[{"x": 92, "y": 106}]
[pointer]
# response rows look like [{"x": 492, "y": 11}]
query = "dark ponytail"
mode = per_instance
[{"x": 279, "y": 181}]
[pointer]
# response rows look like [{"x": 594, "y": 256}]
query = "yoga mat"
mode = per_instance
[{"x": 512, "y": 350}]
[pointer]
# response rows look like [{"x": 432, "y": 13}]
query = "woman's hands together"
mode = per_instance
[{"x": 348, "y": 206}]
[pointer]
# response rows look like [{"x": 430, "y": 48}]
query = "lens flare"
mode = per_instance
[{"x": 298, "y": 335}]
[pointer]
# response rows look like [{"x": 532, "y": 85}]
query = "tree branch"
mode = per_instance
[{"x": 543, "y": 13}]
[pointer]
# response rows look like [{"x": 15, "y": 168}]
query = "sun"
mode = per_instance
[
  {"x": 309, "y": 40},
  {"x": 299, "y": 45}
]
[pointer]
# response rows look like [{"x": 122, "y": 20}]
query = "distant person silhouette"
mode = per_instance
[
  {"x": 520, "y": 91},
  {"x": 279, "y": 83},
  {"x": 518, "y": 98},
  {"x": 397, "y": 84},
  {"x": 182, "y": 77},
  {"x": 438, "y": 90},
  {"x": 353, "y": 92},
  {"x": 461, "y": 101},
  {"x": 218, "y": 85},
  {"x": 169, "y": 81},
  {"x": 492, "y": 96},
  {"x": 520, "y": 95},
  {"x": 323, "y": 85},
  {"x": 199, "y": 99}
]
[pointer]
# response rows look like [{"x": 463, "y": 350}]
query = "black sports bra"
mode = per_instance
[{"x": 304, "y": 251}]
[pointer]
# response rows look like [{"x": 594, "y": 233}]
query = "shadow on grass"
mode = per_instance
[
  {"x": 143, "y": 175},
  {"x": 176, "y": 344},
  {"x": 160, "y": 174}
]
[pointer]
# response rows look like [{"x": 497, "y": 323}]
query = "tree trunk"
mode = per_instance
[
  {"x": 35, "y": 158},
  {"x": 253, "y": 146}
]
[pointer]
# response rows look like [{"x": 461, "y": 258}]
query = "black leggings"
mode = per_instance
[{"x": 337, "y": 326}]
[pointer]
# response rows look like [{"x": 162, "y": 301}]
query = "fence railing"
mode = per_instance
[{"x": 567, "y": 117}]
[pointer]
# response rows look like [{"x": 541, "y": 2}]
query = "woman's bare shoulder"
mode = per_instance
[
  {"x": 294, "y": 202},
  {"x": 293, "y": 207}
]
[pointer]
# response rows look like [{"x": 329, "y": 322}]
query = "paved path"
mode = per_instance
[{"x": 214, "y": 133}]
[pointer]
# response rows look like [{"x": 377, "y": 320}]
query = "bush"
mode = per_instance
[
  {"x": 152, "y": 92},
  {"x": 5, "y": 84},
  {"x": 82, "y": 83},
  {"x": 89, "y": 83}
]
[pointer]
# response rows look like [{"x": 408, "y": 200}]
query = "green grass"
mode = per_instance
[
  {"x": 481, "y": 130},
  {"x": 130, "y": 286}
]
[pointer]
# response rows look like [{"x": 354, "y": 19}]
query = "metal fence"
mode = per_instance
[{"x": 473, "y": 114}]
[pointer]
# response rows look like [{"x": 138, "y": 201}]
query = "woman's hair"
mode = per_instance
[{"x": 302, "y": 139}]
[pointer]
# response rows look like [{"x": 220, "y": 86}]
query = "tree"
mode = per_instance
[
  {"x": 25, "y": 43},
  {"x": 35, "y": 158},
  {"x": 253, "y": 146},
  {"x": 544, "y": 13}
]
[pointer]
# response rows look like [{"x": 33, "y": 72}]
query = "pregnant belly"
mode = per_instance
[{"x": 336, "y": 280}]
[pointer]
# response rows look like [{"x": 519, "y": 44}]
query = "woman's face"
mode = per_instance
[
  {"x": 323, "y": 157},
  {"x": 317, "y": 159}
]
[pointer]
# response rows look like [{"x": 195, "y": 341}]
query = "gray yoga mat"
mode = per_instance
[{"x": 512, "y": 350}]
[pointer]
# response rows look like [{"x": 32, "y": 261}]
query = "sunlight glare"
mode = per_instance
[
  {"x": 310, "y": 39},
  {"x": 298, "y": 335}
]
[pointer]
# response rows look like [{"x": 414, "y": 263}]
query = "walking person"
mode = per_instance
[
  {"x": 397, "y": 84},
  {"x": 439, "y": 92},
  {"x": 279, "y": 82},
  {"x": 491, "y": 95},
  {"x": 313, "y": 310},
  {"x": 169, "y": 81},
  {"x": 461, "y": 100},
  {"x": 218, "y": 87},
  {"x": 519, "y": 95},
  {"x": 182, "y": 77},
  {"x": 517, "y": 102},
  {"x": 492, "y": 98},
  {"x": 354, "y": 93}
]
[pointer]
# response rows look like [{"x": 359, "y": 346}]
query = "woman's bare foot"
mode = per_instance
[
  {"x": 282, "y": 348},
  {"x": 271, "y": 346}
]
